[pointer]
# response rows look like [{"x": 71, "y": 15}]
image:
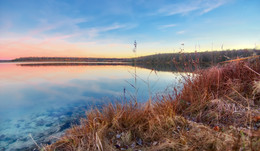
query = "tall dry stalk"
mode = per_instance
[{"x": 135, "y": 76}]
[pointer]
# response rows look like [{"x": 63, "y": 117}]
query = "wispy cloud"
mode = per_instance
[
  {"x": 43, "y": 35},
  {"x": 177, "y": 9},
  {"x": 56, "y": 38},
  {"x": 49, "y": 32},
  {"x": 184, "y": 8},
  {"x": 96, "y": 31},
  {"x": 213, "y": 5},
  {"x": 45, "y": 25},
  {"x": 181, "y": 32},
  {"x": 167, "y": 26}
]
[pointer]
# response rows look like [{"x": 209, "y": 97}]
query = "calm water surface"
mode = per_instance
[{"x": 43, "y": 101}]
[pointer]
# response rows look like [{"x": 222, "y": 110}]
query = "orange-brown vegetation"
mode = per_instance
[{"x": 217, "y": 109}]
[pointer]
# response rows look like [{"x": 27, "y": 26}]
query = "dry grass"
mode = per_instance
[
  {"x": 217, "y": 109},
  {"x": 221, "y": 95},
  {"x": 140, "y": 128}
]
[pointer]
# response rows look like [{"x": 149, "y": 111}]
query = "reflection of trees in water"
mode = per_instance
[
  {"x": 68, "y": 59},
  {"x": 159, "y": 67},
  {"x": 73, "y": 64},
  {"x": 167, "y": 67}
]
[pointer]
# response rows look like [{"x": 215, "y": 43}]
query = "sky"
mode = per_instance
[{"x": 108, "y": 28}]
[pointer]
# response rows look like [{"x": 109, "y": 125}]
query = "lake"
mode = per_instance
[{"x": 39, "y": 102}]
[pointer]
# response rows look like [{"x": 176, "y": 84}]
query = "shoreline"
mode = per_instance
[{"x": 212, "y": 111}]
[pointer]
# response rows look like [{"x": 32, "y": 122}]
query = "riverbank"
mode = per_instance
[{"x": 217, "y": 109}]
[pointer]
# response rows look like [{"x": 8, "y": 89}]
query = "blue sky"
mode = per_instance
[{"x": 108, "y": 28}]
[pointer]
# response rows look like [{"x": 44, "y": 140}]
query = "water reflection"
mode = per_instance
[{"x": 45, "y": 100}]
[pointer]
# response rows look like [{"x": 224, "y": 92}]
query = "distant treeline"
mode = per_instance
[
  {"x": 166, "y": 61},
  {"x": 197, "y": 58},
  {"x": 4, "y": 60},
  {"x": 68, "y": 59}
]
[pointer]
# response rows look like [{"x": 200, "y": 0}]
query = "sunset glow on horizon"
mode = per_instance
[{"x": 109, "y": 28}]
